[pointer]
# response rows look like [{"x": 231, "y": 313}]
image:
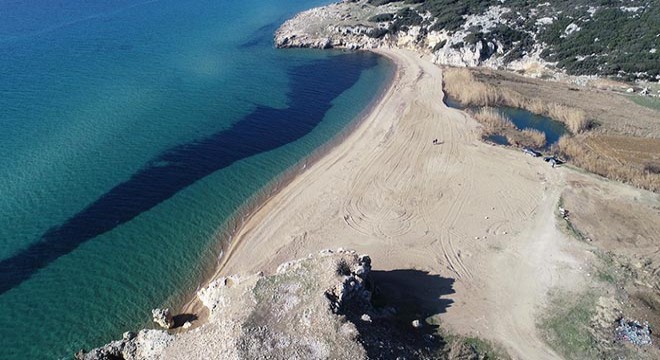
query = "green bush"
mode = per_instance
[
  {"x": 382, "y": 17},
  {"x": 610, "y": 41}
]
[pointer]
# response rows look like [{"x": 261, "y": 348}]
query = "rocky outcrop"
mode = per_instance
[
  {"x": 145, "y": 345},
  {"x": 537, "y": 37},
  {"x": 318, "y": 307},
  {"x": 334, "y": 26},
  {"x": 347, "y": 25},
  {"x": 163, "y": 317}
]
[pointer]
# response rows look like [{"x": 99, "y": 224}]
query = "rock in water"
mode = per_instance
[{"x": 163, "y": 317}]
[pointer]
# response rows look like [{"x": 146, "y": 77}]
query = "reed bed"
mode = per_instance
[
  {"x": 533, "y": 138},
  {"x": 461, "y": 85},
  {"x": 526, "y": 138},
  {"x": 495, "y": 123}
]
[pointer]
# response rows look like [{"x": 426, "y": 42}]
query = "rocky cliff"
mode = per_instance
[
  {"x": 576, "y": 38},
  {"x": 347, "y": 25},
  {"x": 319, "y": 307}
]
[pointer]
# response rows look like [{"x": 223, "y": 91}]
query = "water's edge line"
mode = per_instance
[{"x": 235, "y": 222}]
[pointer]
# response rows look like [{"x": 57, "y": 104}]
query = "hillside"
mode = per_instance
[{"x": 606, "y": 37}]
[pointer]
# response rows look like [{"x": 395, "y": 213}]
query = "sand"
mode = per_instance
[{"x": 479, "y": 217}]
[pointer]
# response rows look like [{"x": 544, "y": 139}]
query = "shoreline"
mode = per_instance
[
  {"x": 470, "y": 216},
  {"x": 225, "y": 238},
  {"x": 465, "y": 231}
]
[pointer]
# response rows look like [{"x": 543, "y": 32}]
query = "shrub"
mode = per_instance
[{"x": 382, "y": 17}]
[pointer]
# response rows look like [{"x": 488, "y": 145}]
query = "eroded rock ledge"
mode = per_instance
[{"x": 319, "y": 307}]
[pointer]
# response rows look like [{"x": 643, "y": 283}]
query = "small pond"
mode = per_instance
[{"x": 523, "y": 119}]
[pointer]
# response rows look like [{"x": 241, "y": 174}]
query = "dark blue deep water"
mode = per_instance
[{"x": 130, "y": 133}]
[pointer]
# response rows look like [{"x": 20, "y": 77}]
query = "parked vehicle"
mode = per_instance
[{"x": 531, "y": 152}]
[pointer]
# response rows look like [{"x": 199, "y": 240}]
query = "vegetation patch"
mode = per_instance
[
  {"x": 649, "y": 102},
  {"x": 495, "y": 123},
  {"x": 599, "y": 155},
  {"x": 628, "y": 159},
  {"x": 582, "y": 37},
  {"x": 382, "y": 17},
  {"x": 566, "y": 325},
  {"x": 461, "y": 85},
  {"x": 470, "y": 347},
  {"x": 568, "y": 225}
]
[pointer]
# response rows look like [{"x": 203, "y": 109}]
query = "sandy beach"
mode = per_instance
[{"x": 479, "y": 216}]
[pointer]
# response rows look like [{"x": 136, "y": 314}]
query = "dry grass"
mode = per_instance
[
  {"x": 526, "y": 138},
  {"x": 627, "y": 149},
  {"x": 492, "y": 121},
  {"x": 629, "y": 159},
  {"x": 575, "y": 119},
  {"x": 534, "y": 138},
  {"x": 580, "y": 152},
  {"x": 461, "y": 85}
]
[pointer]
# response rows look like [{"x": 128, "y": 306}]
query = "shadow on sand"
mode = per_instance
[{"x": 413, "y": 295}]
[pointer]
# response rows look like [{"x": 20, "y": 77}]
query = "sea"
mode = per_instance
[{"x": 133, "y": 134}]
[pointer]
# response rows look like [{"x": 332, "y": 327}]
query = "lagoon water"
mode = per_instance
[
  {"x": 130, "y": 132},
  {"x": 522, "y": 119}
]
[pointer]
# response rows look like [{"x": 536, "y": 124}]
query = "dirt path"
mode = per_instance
[{"x": 478, "y": 214}]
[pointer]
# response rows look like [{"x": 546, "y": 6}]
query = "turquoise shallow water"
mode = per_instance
[{"x": 129, "y": 132}]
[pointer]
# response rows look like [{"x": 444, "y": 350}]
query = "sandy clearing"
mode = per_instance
[{"x": 464, "y": 210}]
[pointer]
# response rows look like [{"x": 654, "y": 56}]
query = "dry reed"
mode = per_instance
[
  {"x": 533, "y": 138},
  {"x": 461, "y": 85},
  {"x": 495, "y": 123},
  {"x": 492, "y": 120},
  {"x": 576, "y": 150}
]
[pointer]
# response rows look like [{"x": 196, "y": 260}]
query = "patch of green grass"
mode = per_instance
[
  {"x": 568, "y": 226},
  {"x": 484, "y": 349},
  {"x": 646, "y": 101},
  {"x": 566, "y": 325},
  {"x": 606, "y": 269},
  {"x": 574, "y": 231},
  {"x": 461, "y": 347},
  {"x": 605, "y": 276}
]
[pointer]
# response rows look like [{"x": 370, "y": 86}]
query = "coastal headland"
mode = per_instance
[
  {"x": 414, "y": 187},
  {"x": 481, "y": 215}
]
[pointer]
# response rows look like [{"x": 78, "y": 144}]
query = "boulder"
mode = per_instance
[{"x": 163, "y": 317}]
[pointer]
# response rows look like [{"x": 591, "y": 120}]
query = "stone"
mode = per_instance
[
  {"x": 365, "y": 318},
  {"x": 163, "y": 317},
  {"x": 361, "y": 270},
  {"x": 417, "y": 324}
]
